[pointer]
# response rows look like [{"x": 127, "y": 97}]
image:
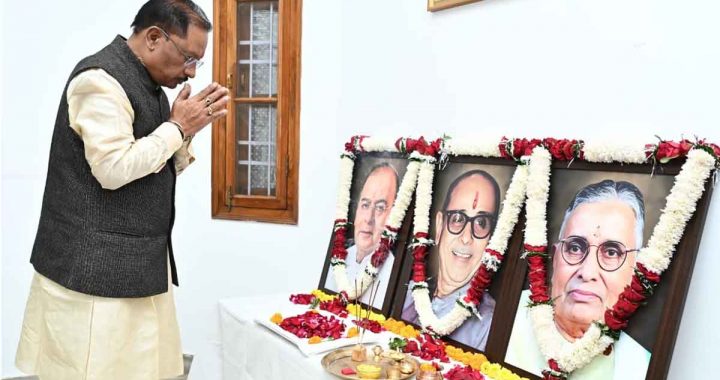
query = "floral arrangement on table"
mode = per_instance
[
  {"x": 314, "y": 326},
  {"x": 420, "y": 153}
]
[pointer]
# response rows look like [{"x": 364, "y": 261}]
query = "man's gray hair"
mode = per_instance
[{"x": 609, "y": 190}]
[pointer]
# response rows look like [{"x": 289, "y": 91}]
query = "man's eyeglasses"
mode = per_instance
[
  {"x": 611, "y": 255},
  {"x": 189, "y": 60},
  {"x": 378, "y": 209},
  {"x": 482, "y": 224}
]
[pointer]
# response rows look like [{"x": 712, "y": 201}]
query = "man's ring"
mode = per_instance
[
  {"x": 209, "y": 111},
  {"x": 208, "y": 101}
]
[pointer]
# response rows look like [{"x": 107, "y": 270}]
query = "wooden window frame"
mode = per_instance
[{"x": 226, "y": 204}]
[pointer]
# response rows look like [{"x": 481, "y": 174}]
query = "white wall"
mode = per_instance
[{"x": 589, "y": 69}]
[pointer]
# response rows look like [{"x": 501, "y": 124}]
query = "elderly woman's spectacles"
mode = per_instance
[{"x": 611, "y": 255}]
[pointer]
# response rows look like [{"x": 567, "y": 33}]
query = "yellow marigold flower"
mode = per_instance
[
  {"x": 276, "y": 318},
  {"x": 315, "y": 339},
  {"x": 352, "y": 332},
  {"x": 322, "y": 296},
  {"x": 490, "y": 369}
]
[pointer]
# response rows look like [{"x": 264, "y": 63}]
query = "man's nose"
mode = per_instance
[
  {"x": 466, "y": 234},
  {"x": 589, "y": 268},
  {"x": 370, "y": 217},
  {"x": 190, "y": 71}
]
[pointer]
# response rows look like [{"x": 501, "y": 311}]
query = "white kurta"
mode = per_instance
[{"x": 71, "y": 335}]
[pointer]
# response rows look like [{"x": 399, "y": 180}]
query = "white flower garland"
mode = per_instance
[
  {"x": 378, "y": 144},
  {"x": 614, "y": 151},
  {"x": 347, "y": 163},
  {"x": 681, "y": 203},
  {"x": 512, "y": 204},
  {"x": 477, "y": 146},
  {"x": 679, "y": 208}
]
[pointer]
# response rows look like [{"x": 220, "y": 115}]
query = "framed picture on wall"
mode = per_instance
[
  {"x": 376, "y": 179},
  {"x": 437, "y": 5}
]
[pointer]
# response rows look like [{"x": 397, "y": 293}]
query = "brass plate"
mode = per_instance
[{"x": 336, "y": 360}]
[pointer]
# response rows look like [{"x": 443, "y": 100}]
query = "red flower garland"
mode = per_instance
[
  {"x": 383, "y": 250},
  {"x": 420, "y": 145},
  {"x": 631, "y": 298},
  {"x": 480, "y": 281},
  {"x": 555, "y": 373},
  {"x": 419, "y": 258},
  {"x": 537, "y": 273},
  {"x": 560, "y": 149},
  {"x": 665, "y": 150},
  {"x": 355, "y": 144},
  {"x": 339, "y": 251}
]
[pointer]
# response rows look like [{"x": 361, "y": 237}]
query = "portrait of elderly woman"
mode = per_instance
[{"x": 593, "y": 257}]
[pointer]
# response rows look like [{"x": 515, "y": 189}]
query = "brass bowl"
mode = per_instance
[{"x": 336, "y": 360}]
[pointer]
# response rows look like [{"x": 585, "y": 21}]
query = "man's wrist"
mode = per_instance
[{"x": 179, "y": 126}]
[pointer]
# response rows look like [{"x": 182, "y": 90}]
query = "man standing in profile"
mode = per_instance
[
  {"x": 376, "y": 199},
  {"x": 462, "y": 231},
  {"x": 101, "y": 303}
]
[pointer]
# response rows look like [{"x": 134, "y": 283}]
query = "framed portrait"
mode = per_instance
[
  {"x": 437, "y": 5},
  {"x": 376, "y": 179},
  {"x": 599, "y": 216},
  {"x": 467, "y": 196}
]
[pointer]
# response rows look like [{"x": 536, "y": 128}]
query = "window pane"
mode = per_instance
[
  {"x": 257, "y": 49},
  {"x": 256, "y": 155},
  {"x": 260, "y": 123},
  {"x": 261, "y": 52},
  {"x": 262, "y": 19},
  {"x": 259, "y": 180},
  {"x": 260, "y": 153},
  {"x": 241, "y": 180},
  {"x": 261, "y": 80}
]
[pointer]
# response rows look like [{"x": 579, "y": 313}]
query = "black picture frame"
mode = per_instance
[
  {"x": 364, "y": 163},
  {"x": 502, "y": 170},
  {"x": 656, "y": 324}
]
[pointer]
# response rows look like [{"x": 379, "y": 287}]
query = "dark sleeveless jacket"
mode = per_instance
[{"x": 109, "y": 243}]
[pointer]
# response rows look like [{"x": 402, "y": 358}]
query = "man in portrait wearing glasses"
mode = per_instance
[
  {"x": 101, "y": 303},
  {"x": 373, "y": 208},
  {"x": 462, "y": 231},
  {"x": 592, "y": 262}
]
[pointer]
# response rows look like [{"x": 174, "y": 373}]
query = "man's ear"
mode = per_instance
[
  {"x": 152, "y": 37},
  {"x": 438, "y": 226}
]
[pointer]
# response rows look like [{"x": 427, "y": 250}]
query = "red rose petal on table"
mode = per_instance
[{"x": 347, "y": 371}]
